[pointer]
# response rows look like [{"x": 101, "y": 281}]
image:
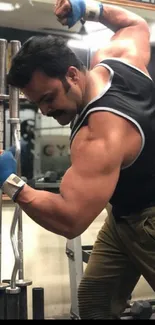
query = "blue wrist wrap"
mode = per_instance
[
  {"x": 78, "y": 11},
  {"x": 8, "y": 166},
  {"x": 101, "y": 9}
]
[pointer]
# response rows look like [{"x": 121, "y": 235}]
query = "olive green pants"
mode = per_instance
[{"x": 123, "y": 252}]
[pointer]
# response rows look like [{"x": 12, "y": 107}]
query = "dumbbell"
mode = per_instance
[
  {"x": 141, "y": 310},
  {"x": 50, "y": 176}
]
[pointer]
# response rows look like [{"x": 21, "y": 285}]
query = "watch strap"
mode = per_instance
[{"x": 12, "y": 186}]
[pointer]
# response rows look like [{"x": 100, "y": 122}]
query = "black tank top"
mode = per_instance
[{"x": 131, "y": 94}]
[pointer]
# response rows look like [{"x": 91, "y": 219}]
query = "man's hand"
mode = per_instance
[
  {"x": 8, "y": 166},
  {"x": 69, "y": 12}
]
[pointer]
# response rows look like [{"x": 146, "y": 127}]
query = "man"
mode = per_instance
[{"x": 112, "y": 113}]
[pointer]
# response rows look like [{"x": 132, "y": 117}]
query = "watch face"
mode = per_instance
[{"x": 16, "y": 179}]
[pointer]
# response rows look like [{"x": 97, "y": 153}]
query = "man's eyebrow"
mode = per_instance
[{"x": 42, "y": 98}]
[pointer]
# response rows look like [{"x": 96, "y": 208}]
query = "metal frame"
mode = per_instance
[
  {"x": 3, "y": 49},
  {"x": 75, "y": 262},
  {"x": 14, "y": 293},
  {"x": 37, "y": 150}
]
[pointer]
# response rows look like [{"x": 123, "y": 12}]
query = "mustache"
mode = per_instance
[{"x": 55, "y": 114}]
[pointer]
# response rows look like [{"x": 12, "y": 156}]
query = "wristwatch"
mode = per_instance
[{"x": 12, "y": 186}]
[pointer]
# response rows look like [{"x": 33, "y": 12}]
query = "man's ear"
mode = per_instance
[{"x": 72, "y": 74}]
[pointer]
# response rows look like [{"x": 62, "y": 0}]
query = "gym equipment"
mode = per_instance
[
  {"x": 22, "y": 284},
  {"x": 13, "y": 292},
  {"x": 74, "y": 254},
  {"x": 50, "y": 176},
  {"x": 141, "y": 310},
  {"x": 27, "y": 147},
  {"x": 3, "y": 51},
  {"x": 16, "y": 294},
  {"x": 38, "y": 303},
  {"x": 27, "y": 129},
  {"x": 3, "y": 287}
]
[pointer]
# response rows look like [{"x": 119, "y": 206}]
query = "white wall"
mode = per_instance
[{"x": 46, "y": 264}]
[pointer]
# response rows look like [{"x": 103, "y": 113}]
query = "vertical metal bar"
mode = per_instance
[
  {"x": 23, "y": 310},
  {"x": 3, "y": 61},
  {"x": 12, "y": 305},
  {"x": 3, "y": 287},
  {"x": 12, "y": 292},
  {"x": 23, "y": 303},
  {"x": 2, "y": 304},
  {"x": 37, "y": 146},
  {"x": 3, "y": 54},
  {"x": 38, "y": 303},
  {"x": 15, "y": 132},
  {"x": 74, "y": 253},
  {"x": 17, "y": 287},
  {"x": 14, "y": 109}
]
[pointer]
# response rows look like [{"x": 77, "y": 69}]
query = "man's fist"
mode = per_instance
[
  {"x": 69, "y": 12},
  {"x": 8, "y": 166},
  {"x": 62, "y": 9}
]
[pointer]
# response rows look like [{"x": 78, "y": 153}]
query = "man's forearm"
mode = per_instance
[
  {"x": 115, "y": 17},
  {"x": 47, "y": 209}
]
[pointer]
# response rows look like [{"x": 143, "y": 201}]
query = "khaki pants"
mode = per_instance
[{"x": 124, "y": 250}]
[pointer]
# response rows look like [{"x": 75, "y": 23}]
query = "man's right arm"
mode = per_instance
[{"x": 131, "y": 37}]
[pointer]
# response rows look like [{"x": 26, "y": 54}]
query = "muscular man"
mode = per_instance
[{"x": 112, "y": 113}]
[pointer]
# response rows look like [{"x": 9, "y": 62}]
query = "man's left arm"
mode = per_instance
[{"x": 85, "y": 190}]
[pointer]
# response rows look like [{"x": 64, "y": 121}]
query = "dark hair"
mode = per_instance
[{"x": 47, "y": 53}]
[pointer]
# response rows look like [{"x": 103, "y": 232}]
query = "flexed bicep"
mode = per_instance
[
  {"x": 90, "y": 182},
  {"x": 98, "y": 153}
]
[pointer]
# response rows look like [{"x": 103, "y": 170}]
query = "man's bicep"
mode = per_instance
[
  {"x": 134, "y": 47},
  {"x": 89, "y": 183},
  {"x": 127, "y": 45}
]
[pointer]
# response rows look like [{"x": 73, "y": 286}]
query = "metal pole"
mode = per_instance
[
  {"x": 38, "y": 303},
  {"x": 17, "y": 286},
  {"x": 12, "y": 304},
  {"x": 3, "y": 53},
  {"x": 74, "y": 253},
  {"x": 15, "y": 135},
  {"x": 23, "y": 312},
  {"x": 3, "y": 60},
  {"x": 12, "y": 292}
]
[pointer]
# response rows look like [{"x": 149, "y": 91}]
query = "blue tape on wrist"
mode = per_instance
[
  {"x": 101, "y": 9},
  {"x": 8, "y": 166},
  {"x": 78, "y": 11}
]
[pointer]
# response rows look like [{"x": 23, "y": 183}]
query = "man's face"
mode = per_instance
[{"x": 52, "y": 97}]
